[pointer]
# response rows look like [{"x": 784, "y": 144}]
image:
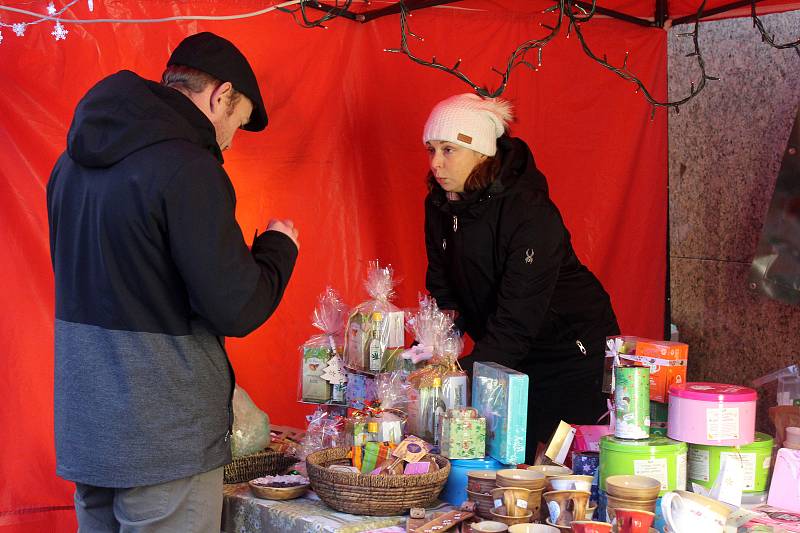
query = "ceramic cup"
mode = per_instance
[
  {"x": 566, "y": 506},
  {"x": 633, "y": 520},
  {"x": 686, "y": 512},
  {"x": 488, "y": 527},
  {"x": 587, "y": 526},
  {"x": 572, "y": 482},
  {"x": 532, "y": 528},
  {"x": 515, "y": 499}
]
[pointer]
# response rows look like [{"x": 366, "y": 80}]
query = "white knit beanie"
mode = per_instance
[{"x": 469, "y": 121}]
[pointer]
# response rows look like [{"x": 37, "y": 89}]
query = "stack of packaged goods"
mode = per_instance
[{"x": 323, "y": 379}]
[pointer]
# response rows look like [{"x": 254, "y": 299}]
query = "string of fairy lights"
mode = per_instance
[
  {"x": 626, "y": 75},
  {"x": 575, "y": 14}
]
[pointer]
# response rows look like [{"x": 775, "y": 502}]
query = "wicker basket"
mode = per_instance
[
  {"x": 372, "y": 495},
  {"x": 266, "y": 463}
]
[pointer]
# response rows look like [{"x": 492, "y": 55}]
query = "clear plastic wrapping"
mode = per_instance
[
  {"x": 325, "y": 430},
  {"x": 440, "y": 384},
  {"x": 323, "y": 379},
  {"x": 374, "y": 424},
  {"x": 251, "y": 431},
  {"x": 375, "y": 335}
]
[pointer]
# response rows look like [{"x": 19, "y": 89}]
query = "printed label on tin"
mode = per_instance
[
  {"x": 680, "y": 474},
  {"x": 748, "y": 461},
  {"x": 654, "y": 468},
  {"x": 722, "y": 423},
  {"x": 522, "y": 504},
  {"x": 632, "y": 402},
  {"x": 698, "y": 465}
]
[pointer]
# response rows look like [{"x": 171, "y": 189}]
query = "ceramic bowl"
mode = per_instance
[
  {"x": 551, "y": 470},
  {"x": 614, "y": 503},
  {"x": 489, "y": 526},
  {"x": 514, "y": 477},
  {"x": 532, "y": 528},
  {"x": 570, "y": 482},
  {"x": 484, "y": 502},
  {"x": 560, "y": 528},
  {"x": 278, "y": 493},
  {"x": 501, "y": 515},
  {"x": 633, "y": 487},
  {"x": 481, "y": 480}
]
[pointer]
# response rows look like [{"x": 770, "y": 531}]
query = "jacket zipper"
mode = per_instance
[
  {"x": 579, "y": 344},
  {"x": 571, "y": 331},
  {"x": 229, "y": 433},
  {"x": 455, "y": 223}
]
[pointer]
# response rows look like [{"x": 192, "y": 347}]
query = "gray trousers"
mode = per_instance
[{"x": 187, "y": 505}]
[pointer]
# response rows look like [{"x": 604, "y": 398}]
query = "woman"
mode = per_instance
[{"x": 500, "y": 255}]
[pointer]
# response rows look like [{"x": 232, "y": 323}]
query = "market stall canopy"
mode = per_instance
[{"x": 643, "y": 12}]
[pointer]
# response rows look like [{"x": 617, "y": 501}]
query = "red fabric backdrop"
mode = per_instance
[{"x": 342, "y": 156}]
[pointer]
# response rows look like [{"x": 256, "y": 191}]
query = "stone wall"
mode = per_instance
[{"x": 725, "y": 150}]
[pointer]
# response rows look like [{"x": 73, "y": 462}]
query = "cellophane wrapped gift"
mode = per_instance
[
  {"x": 250, "y": 432},
  {"x": 374, "y": 424},
  {"x": 501, "y": 396},
  {"x": 323, "y": 375},
  {"x": 391, "y": 390},
  {"x": 667, "y": 361},
  {"x": 325, "y": 430},
  {"x": 440, "y": 383},
  {"x": 361, "y": 390},
  {"x": 374, "y": 334},
  {"x": 463, "y": 434}
]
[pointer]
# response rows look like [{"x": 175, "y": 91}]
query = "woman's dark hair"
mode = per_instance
[{"x": 481, "y": 176}]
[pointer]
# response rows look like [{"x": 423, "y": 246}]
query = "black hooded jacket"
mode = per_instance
[
  {"x": 151, "y": 270},
  {"x": 503, "y": 258}
]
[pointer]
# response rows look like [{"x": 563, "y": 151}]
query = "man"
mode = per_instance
[{"x": 151, "y": 273}]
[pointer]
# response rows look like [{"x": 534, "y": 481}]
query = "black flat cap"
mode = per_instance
[{"x": 219, "y": 57}]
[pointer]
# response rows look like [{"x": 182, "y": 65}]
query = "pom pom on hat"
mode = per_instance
[{"x": 469, "y": 121}]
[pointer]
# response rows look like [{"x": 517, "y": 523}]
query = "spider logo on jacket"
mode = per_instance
[{"x": 529, "y": 256}]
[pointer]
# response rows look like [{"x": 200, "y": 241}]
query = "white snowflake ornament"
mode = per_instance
[
  {"x": 51, "y": 9},
  {"x": 60, "y": 32},
  {"x": 19, "y": 28}
]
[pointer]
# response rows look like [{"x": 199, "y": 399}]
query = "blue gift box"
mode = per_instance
[{"x": 500, "y": 395}]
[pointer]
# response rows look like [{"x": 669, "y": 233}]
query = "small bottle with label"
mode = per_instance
[
  {"x": 373, "y": 431},
  {"x": 438, "y": 409},
  {"x": 376, "y": 346}
]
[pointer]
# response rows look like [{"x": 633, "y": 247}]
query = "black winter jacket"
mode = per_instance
[
  {"x": 151, "y": 271},
  {"x": 503, "y": 259}
]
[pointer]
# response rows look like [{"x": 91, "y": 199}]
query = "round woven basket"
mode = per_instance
[
  {"x": 372, "y": 495},
  {"x": 265, "y": 463}
]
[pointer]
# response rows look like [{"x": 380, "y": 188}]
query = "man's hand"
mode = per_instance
[{"x": 286, "y": 227}]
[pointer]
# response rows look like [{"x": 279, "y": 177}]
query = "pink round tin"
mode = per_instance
[{"x": 712, "y": 413}]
